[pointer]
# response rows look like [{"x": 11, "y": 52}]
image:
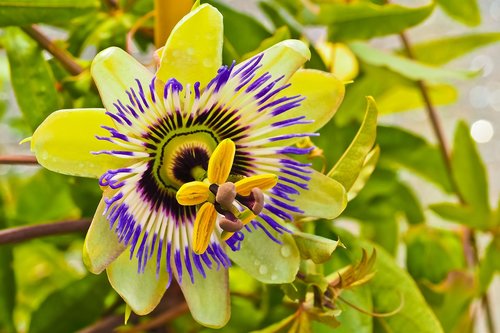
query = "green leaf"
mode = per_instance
[
  {"x": 8, "y": 284},
  {"x": 244, "y": 32},
  {"x": 410, "y": 69},
  {"x": 327, "y": 317},
  {"x": 352, "y": 320},
  {"x": 367, "y": 84},
  {"x": 4, "y": 85},
  {"x": 279, "y": 35},
  {"x": 432, "y": 253},
  {"x": 277, "y": 327},
  {"x": 31, "y": 76},
  {"x": 461, "y": 214},
  {"x": 316, "y": 248},
  {"x": 401, "y": 148},
  {"x": 296, "y": 291},
  {"x": 381, "y": 202},
  {"x": 403, "y": 98},
  {"x": 349, "y": 166},
  {"x": 441, "y": 51},
  {"x": 469, "y": 171},
  {"x": 466, "y": 12},
  {"x": 392, "y": 287},
  {"x": 73, "y": 307},
  {"x": 451, "y": 301},
  {"x": 364, "y": 20},
  {"x": 43, "y": 197},
  {"x": 15, "y": 12},
  {"x": 388, "y": 287},
  {"x": 280, "y": 17},
  {"x": 489, "y": 265}
]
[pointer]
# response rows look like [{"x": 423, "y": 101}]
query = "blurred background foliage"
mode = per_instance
[{"x": 409, "y": 262}]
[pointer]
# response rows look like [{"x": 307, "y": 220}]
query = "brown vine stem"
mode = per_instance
[
  {"x": 159, "y": 320},
  {"x": 24, "y": 233},
  {"x": 470, "y": 246},
  {"x": 18, "y": 159},
  {"x": 64, "y": 57}
]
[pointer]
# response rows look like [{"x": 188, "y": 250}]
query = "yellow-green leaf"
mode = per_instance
[
  {"x": 469, "y": 171},
  {"x": 411, "y": 69},
  {"x": 31, "y": 76},
  {"x": 466, "y": 12},
  {"x": 15, "y": 12},
  {"x": 349, "y": 166},
  {"x": 364, "y": 20}
]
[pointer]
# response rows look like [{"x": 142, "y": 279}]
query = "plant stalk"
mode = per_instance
[
  {"x": 470, "y": 246},
  {"x": 24, "y": 233},
  {"x": 65, "y": 58},
  {"x": 18, "y": 159}
]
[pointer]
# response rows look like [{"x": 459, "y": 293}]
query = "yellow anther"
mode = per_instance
[
  {"x": 264, "y": 182},
  {"x": 221, "y": 162},
  {"x": 192, "y": 193},
  {"x": 203, "y": 227}
]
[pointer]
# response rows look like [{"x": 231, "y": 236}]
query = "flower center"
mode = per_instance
[
  {"x": 183, "y": 153},
  {"x": 237, "y": 203}
]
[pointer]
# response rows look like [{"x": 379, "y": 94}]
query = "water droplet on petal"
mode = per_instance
[
  {"x": 257, "y": 262},
  {"x": 263, "y": 269},
  {"x": 207, "y": 62},
  {"x": 190, "y": 51},
  {"x": 274, "y": 277},
  {"x": 286, "y": 251}
]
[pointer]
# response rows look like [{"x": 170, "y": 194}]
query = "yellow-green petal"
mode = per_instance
[
  {"x": 221, "y": 162},
  {"x": 115, "y": 71},
  {"x": 282, "y": 59},
  {"x": 323, "y": 94},
  {"x": 64, "y": 141},
  {"x": 203, "y": 227},
  {"x": 266, "y": 260},
  {"x": 208, "y": 298},
  {"x": 192, "y": 193},
  {"x": 101, "y": 245},
  {"x": 326, "y": 198},
  {"x": 141, "y": 291},
  {"x": 264, "y": 182},
  {"x": 193, "y": 51}
]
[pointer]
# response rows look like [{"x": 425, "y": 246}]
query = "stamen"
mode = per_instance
[
  {"x": 230, "y": 226},
  {"x": 226, "y": 194}
]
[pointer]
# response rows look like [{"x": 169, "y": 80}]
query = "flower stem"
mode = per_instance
[
  {"x": 65, "y": 58},
  {"x": 469, "y": 240},
  {"x": 18, "y": 159},
  {"x": 24, "y": 233},
  {"x": 168, "y": 13}
]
